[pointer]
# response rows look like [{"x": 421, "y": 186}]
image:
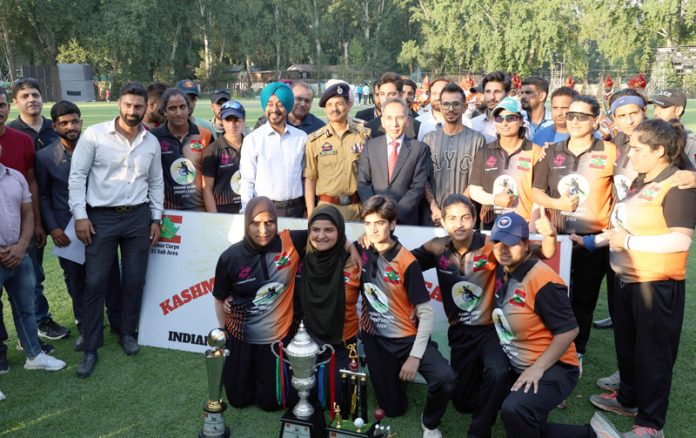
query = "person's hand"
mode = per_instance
[
  {"x": 617, "y": 237},
  {"x": 84, "y": 231},
  {"x": 543, "y": 224},
  {"x": 40, "y": 236},
  {"x": 355, "y": 258},
  {"x": 154, "y": 234},
  {"x": 529, "y": 378},
  {"x": 11, "y": 256},
  {"x": 504, "y": 200},
  {"x": 684, "y": 179},
  {"x": 409, "y": 369},
  {"x": 568, "y": 202},
  {"x": 227, "y": 305},
  {"x": 363, "y": 241},
  {"x": 435, "y": 214},
  {"x": 542, "y": 153},
  {"x": 59, "y": 237},
  {"x": 577, "y": 239}
]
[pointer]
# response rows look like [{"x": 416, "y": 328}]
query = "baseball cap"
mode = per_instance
[
  {"x": 509, "y": 104},
  {"x": 232, "y": 108},
  {"x": 220, "y": 94},
  {"x": 188, "y": 86},
  {"x": 510, "y": 228},
  {"x": 669, "y": 97}
]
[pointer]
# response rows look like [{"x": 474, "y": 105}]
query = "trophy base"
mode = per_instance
[
  {"x": 347, "y": 430},
  {"x": 293, "y": 427},
  {"x": 214, "y": 425},
  {"x": 225, "y": 434}
]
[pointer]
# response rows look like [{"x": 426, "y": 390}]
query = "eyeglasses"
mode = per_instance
[
  {"x": 454, "y": 105},
  {"x": 232, "y": 104},
  {"x": 510, "y": 118},
  {"x": 583, "y": 117}
]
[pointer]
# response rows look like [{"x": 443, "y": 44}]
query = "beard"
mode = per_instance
[{"x": 132, "y": 121}]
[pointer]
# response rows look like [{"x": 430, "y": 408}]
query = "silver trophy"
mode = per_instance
[{"x": 214, "y": 421}]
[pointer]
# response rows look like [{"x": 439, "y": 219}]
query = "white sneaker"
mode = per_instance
[
  {"x": 2, "y": 396},
  {"x": 610, "y": 383},
  {"x": 44, "y": 362},
  {"x": 580, "y": 357},
  {"x": 430, "y": 433},
  {"x": 601, "y": 425}
]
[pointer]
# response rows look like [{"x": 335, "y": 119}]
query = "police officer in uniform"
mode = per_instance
[{"x": 331, "y": 169}]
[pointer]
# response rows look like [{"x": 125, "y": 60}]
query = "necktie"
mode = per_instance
[{"x": 393, "y": 156}]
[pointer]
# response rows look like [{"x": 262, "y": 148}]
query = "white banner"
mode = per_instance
[{"x": 178, "y": 310}]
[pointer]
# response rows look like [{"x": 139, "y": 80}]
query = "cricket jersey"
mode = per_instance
[
  {"x": 221, "y": 162},
  {"x": 651, "y": 208},
  {"x": 624, "y": 173},
  {"x": 181, "y": 166},
  {"x": 392, "y": 285},
  {"x": 261, "y": 285},
  {"x": 588, "y": 176},
  {"x": 466, "y": 281},
  {"x": 531, "y": 306},
  {"x": 497, "y": 172}
]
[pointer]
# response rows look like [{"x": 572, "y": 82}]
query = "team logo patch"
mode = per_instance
[
  {"x": 196, "y": 145},
  {"x": 574, "y": 185},
  {"x": 327, "y": 149},
  {"x": 524, "y": 164},
  {"x": 622, "y": 185},
  {"x": 244, "y": 273},
  {"x": 598, "y": 161},
  {"x": 236, "y": 182},
  {"x": 390, "y": 276},
  {"x": 559, "y": 160},
  {"x": 504, "y": 222},
  {"x": 466, "y": 295},
  {"x": 518, "y": 298},
  {"x": 346, "y": 277},
  {"x": 502, "y": 327},
  {"x": 357, "y": 148},
  {"x": 376, "y": 297},
  {"x": 183, "y": 171},
  {"x": 480, "y": 263},
  {"x": 267, "y": 294},
  {"x": 164, "y": 146},
  {"x": 282, "y": 260},
  {"x": 443, "y": 262},
  {"x": 619, "y": 217},
  {"x": 169, "y": 229},
  {"x": 505, "y": 184},
  {"x": 649, "y": 193},
  {"x": 491, "y": 162}
]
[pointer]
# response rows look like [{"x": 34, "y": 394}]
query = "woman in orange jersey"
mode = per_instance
[{"x": 650, "y": 240}]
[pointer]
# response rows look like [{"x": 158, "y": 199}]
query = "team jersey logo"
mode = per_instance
[
  {"x": 267, "y": 294},
  {"x": 378, "y": 300},
  {"x": 506, "y": 185},
  {"x": 619, "y": 218},
  {"x": 346, "y": 277},
  {"x": 524, "y": 164},
  {"x": 196, "y": 145},
  {"x": 598, "y": 161},
  {"x": 466, "y": 295},
  {"x": 574, "y": 185},
  {"x": 236, "y": 182},
  {"x": 183, "y": 171},
  {"x": 244, "y": 273},
  {"x": 443, "y": 262},
  {"x": 480, "y": 263},
  {"x": 518, "y": 298},
  {"x": 390, "y": 276},
  {"x": 649, "y": 193},
  {"x": 282, "y": 260},
  {"x": 491, "y": 162},
  {"x": 559, "y": 160},
  {"x": 622, "y": 185},
  {"x": 502, "y": 327}
]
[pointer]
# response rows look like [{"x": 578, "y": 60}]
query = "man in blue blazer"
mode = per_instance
[{"x": 394, "y": 165}]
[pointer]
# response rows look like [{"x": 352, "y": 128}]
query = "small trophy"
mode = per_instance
[
  {"x": 213, "y": 418},
  {"x": 302, "y": 421}
]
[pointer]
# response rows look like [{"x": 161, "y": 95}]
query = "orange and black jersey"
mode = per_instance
[
  {"x": 181, "y": 166},
  {"x": 531, "y": 306},
  {"x": 261, "y": 285},
  {"x": 588, "y": 176},
  {"x": 624, "y": 173},
  {"x": 466, "y": 281},
  {"x": 497, "y": 172},
  {"x": 651, "y": 208},
  {"x": 392, "y": 285},
  {"x": 221, "y": 162}
]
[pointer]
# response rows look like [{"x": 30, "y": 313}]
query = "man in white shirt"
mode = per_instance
[
  {"x": 116, "y": 198},
  {"x": 496, "y": 87},
  {"x": 273, "y": 155}
]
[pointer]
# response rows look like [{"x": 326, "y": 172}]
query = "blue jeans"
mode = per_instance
[
  {"x": 40, "y": 301},
  {"x": 19, "y": 283}
]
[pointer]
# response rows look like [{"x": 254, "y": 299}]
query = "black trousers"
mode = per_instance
[
  {"x": 292, "y": 208},
  {"x": 647, "y": 330},
  {"x": 586, "y": 275},
  {"x": 129, "y": 231},
  {"x": 525, "y": 415},
  {"x": 483, "y": 375},
  {"x": 386, "y": 356},
  {"x": 611, "y": 290}
]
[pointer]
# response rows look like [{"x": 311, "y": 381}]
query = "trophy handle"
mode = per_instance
[
  {"x": 322, "y": 350},
  {"x": 273, "y": 350}
]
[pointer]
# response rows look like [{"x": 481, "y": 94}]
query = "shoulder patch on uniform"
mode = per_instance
[{"x": 316, "y": 134}]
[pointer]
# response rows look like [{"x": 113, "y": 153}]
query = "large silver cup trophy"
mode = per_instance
[
  {"x": 214, "y": 421},
  {"x": 302, "y": 353}
]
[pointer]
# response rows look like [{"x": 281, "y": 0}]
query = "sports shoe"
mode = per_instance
[
  {"x": 605, "y": 323},
  {"x": 2, "y": 396},
  {"x": 50, "y": 329},
  {"x": 580, "y": 357},
  {"x": 45, "y": 347},
  {"x": 609, "y": 402},
  {"x": 4, "y": 365},
  {"x": 601, "y": 425},
  {"x": 44, "y": 362},
  {"x": 430, "y": 433},
  {"x": 129, "y": 345},
  {"x": 610, "y": 383},
  {"x": 644, "y": 432}
]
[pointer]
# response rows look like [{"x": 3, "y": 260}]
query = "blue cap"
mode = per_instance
[
  {"x": 510, "y": 228},
  {"x": 188, "y": 86},
  {"x": 509, "y": 103},
  {"x": 232, "y": 108}
]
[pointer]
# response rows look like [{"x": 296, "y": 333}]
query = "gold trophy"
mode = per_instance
[{"x": 213, "y": 418}]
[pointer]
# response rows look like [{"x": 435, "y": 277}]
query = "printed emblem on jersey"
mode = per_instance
[
  {"x": 327, "y": 149},
  {"x": 363, "y": 258},
  {"x": 378, "y": 300},
  {"x": 236, "y": 182},
  {"x": 574, "y": 184},
  {"x": 649, "y": 193},
  {"x": 524, "y": 164},
  {"x": 346, "y": 277},
  {"x": 164, "y": 145},
  {"x": 619, "y": 218},
  {"x": 267, "y": 294},
  {"x": 196, "y": 145},
  {"x": 443, "y": 262},
  {"x": 505, "y": 184},
  {"x": 559, "y": 160},
  {"x": 480, "y": 263},
  {"x": 183, "y": 171},
  {"x": 518, "y": 298},
  {"x": 357, "y": 148},
  {"x": 466, "y": 295},
  {"x": 244, "y": 273},
  {"x": 502, "y": 327},
  {"x": 622, "y": 185},
  {"x": 491, "y": 162},
  {"x": 498, "y": 286},
  {"x": 390, "y": 276},
  {"x": 282, "y": 260},
  {"x": 598, "y": 161}
]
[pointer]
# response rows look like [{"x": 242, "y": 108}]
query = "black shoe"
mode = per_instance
[
  {"x": 129, "y": 344},
  {"x": 45, "y": 347},
  {"x": 50, "y": 329},
  {"x": 80, "y": 343},
  {"x": 86, "y": 365},
  {"x": 605, "y": 323},
  {"x": 4, "y": 365}
]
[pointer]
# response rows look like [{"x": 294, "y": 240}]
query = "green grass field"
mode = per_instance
[{"x": 159, "y": 393}]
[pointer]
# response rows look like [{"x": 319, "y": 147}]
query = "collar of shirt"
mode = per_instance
[
  {"x": 525, "y": 146},
  {"x": 192, "y": 130},
  {"x": 111, "y": 129},
  {"x": 597, "y": 145},
  {"x": 4, "y": 170},
  {"x": 267, "y": 129}
]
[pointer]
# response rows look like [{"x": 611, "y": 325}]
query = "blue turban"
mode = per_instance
[{"x": 282, "y": 91}]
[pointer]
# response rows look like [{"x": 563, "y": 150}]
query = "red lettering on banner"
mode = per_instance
[
  {"x": 187, "y": 295},
  {"x": 434, "y": 292}
]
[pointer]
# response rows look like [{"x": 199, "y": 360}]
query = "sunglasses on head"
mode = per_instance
[
  {"x": 583, "y": 117},
  {"x": 509, "y": 118},
  {"x": 232, "y": 104}
]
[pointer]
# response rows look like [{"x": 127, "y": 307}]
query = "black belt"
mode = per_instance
[
  {"x": 118, "y": 208},
  {"x": 289, "y": 203}
]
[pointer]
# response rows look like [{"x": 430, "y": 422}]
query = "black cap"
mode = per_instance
[
  {"x": 340, "y": 89},
  {"x": 669, "y": 97},
  {"x": 219, "y": 94}
]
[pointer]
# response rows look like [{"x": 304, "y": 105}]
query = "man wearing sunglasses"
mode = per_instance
[{"x": 452, "y": 148}]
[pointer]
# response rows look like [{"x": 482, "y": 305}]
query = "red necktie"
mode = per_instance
[{"x": 393, "y": 156}]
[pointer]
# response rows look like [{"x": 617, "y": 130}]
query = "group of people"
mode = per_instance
[{"x": 518, "y": 334}]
